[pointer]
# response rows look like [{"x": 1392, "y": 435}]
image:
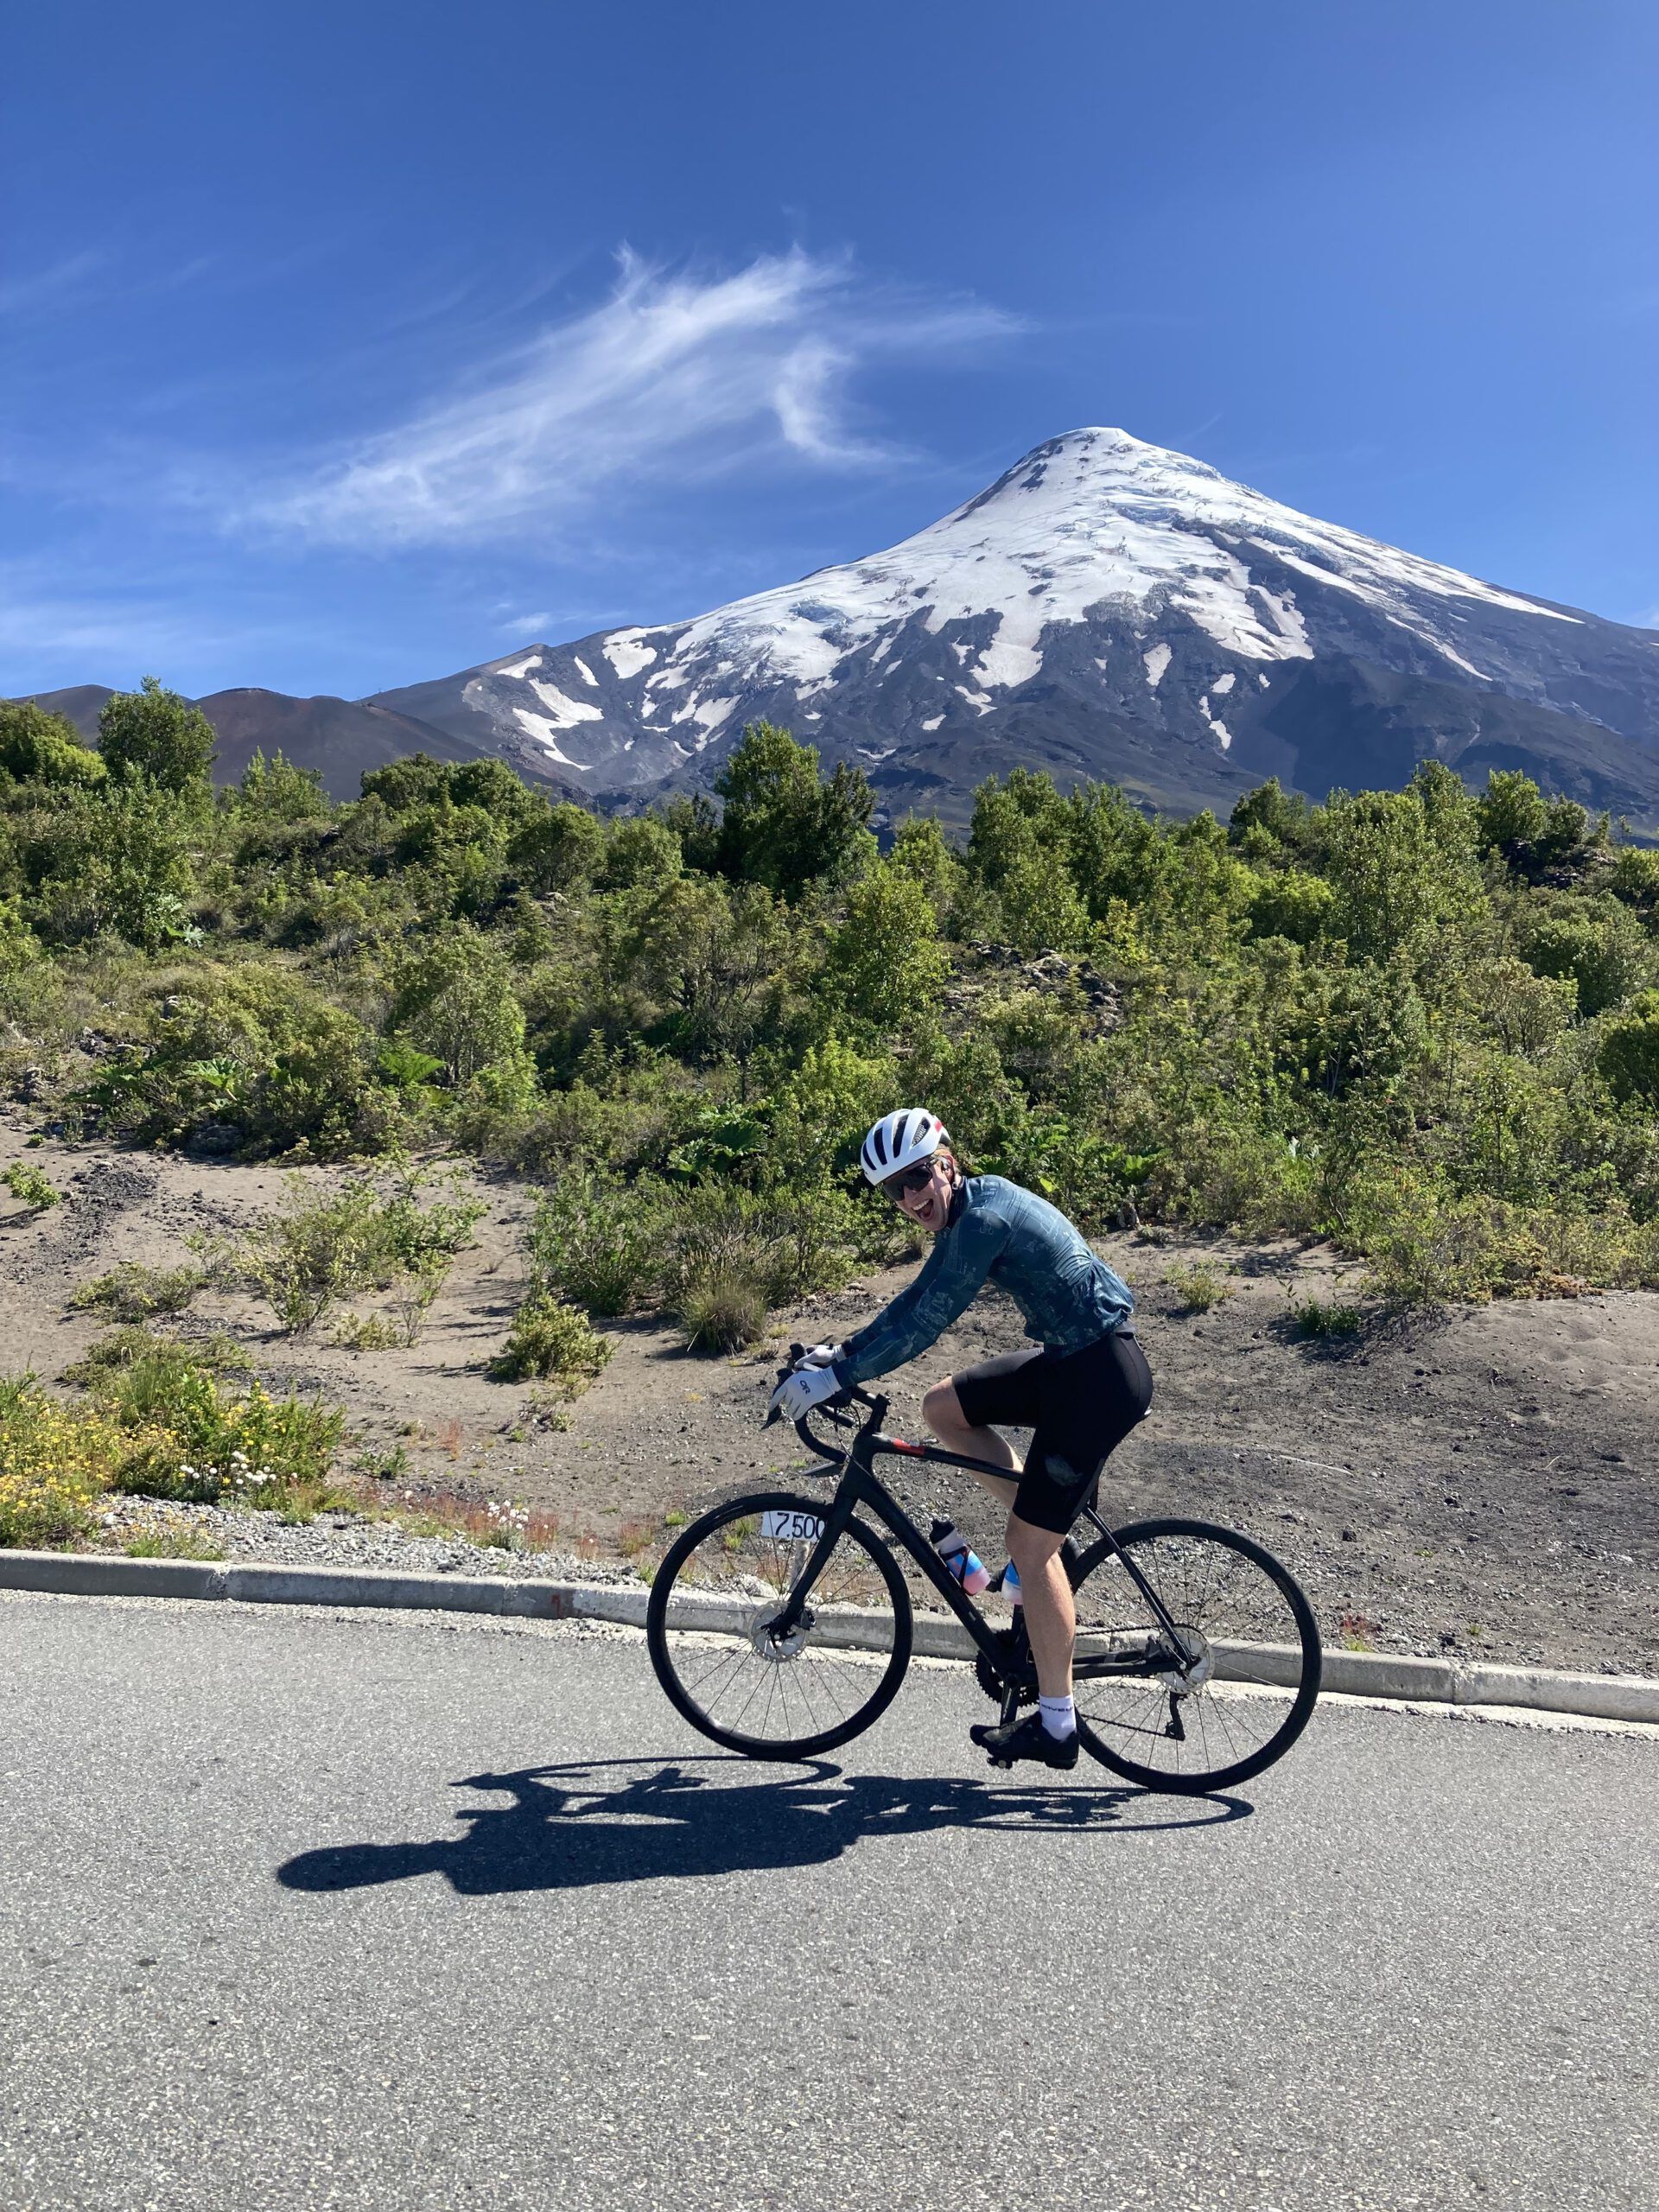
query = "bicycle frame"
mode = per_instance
[{"x": 859, "y": 1485}]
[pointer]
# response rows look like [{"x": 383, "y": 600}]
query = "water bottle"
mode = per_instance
[
  {"x": 1011, "y": 1584},
  {"x": 963, "y": 1562}
]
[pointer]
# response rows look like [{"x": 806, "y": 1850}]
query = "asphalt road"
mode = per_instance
[{"x": 312, "y": 1910}]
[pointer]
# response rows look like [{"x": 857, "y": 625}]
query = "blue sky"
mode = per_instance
[{"x": 343, "y": 346}]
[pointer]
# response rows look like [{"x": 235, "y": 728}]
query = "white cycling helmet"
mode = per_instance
[{"x": 898, "y": 1140}]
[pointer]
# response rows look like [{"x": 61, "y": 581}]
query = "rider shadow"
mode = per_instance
[{"x": 571, "y": 1827}]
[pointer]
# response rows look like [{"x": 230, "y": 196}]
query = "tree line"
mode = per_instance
[{"x": 1424, "y": 1022}]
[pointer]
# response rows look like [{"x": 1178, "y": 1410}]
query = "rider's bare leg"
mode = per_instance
[
  {"x": 942, "y": 1411},
  {"x": 1051, "y": 1617}
]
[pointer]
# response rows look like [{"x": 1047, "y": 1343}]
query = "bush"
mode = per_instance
[
  {"x": 1198, "y": 1287},
  {"x": 135, "y": 1293},
  {"x": 313, "y": 1252},
  {"x": 247, "y": 1047},
  {"x": 374, "y": 1231},
  {"x": 39, "y": 748},
  {"x": 1314, "y": 1316},
  {"x": 367, "y": 1332},
  {"x": 1292, "y": 905},
  {"x": 31, "y": 1186},
  {"x": 885, "y": 962},
  {"x": 1628, "y": 1055},
  {"x": 1424, "y": 1245},
  {"x": 156, "y": 733},
  {"x": 552, "y": 1341},
  {"x": 55, "y": 1462},
  {"x": 784, "y": 825},
  {"x": 721, "y": 1309},
  {"x": 456, "y": 1003},
  {"x": 783, "y": 1243},
  {"x": 419, "y": 1237},
  {"x": 1600, "y": 948},
  {"x": 597, "y": 1242},
  {"x": 189, "y": 1435}
]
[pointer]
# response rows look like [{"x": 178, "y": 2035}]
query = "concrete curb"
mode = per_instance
[{"x": 1354, "y": 1673}]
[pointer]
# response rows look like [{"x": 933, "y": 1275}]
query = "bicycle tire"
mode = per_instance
[
  {"x": 710, "y": 1570},
  {"x": 1195, "y": 1567}
]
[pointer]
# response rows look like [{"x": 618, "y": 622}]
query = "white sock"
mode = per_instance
[{"x": 1060, "y": 1715}]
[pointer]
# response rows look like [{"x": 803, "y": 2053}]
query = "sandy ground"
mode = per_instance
[{"x": 1480, "y": 1480}]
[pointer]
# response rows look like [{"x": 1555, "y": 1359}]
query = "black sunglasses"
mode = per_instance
[{"x": 912, "y": 1180}]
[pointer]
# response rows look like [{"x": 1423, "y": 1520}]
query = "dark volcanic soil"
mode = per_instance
[{"x": 1480, "y": 1481}]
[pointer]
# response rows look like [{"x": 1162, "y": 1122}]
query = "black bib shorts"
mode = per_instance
[{"x": 1079, "y": 1405}]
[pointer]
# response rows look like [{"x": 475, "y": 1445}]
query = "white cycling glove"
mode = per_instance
[
  {"x": 821, "y": 1356},
  {"x": 803, "y": 1389}
]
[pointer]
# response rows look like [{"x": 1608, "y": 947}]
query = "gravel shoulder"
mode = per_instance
[{"x": 1479, "y": 1481}]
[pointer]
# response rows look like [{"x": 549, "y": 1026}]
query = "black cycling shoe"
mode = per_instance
[{"x": 1025, "y": 1739}]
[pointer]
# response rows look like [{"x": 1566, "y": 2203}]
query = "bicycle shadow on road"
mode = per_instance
[{"x": 582, "y": 1825}]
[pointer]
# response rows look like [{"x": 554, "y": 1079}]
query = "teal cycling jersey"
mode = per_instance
[{"x": 997, "y": 1233}]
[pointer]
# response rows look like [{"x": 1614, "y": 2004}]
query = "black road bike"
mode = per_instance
[{"x": 781, "y": 1626}]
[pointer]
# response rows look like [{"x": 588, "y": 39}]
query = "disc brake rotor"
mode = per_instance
[
  {"x": 775, "y": 1649},
  {"x": 1198, "y": 1670}
]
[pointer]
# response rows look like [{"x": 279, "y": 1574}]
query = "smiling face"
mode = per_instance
[{"x": 924, "y": 1193}]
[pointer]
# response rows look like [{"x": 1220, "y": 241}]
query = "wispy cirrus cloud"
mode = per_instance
[
  {"x": 59, "y": 284},
  {"x": 671, "y": 378}
]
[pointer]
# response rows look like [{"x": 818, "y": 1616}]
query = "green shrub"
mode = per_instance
[
  {"x": 31, "y": 1186},
  {"x": 190, "y": 1435},
  {"x": 367, "y": 1332},
  {"x": 135, "y": 1293},
  {"x": 721, "y": 1308},
  {"x": 785, "y": 1243},
  {"x": 1628, "y": 1055},
  {"x": 1424, "y": 1245},
  {"x": 1293, "y": 904},
  {"x": 1315, "y": 1316},
  {"x": 1601, "y": 948},
  {"x": 250, "y": 1048},
  {"x": 39, "y": 748},
  {"x": 456, "y": 1003},
  {"x": 552, "y": 1341},
  {"x": 885, "y": 963},
  {"x": 312, "y": 1252},
  {"x": 599, "y": 1242},
  {"x": 1198, "y": 1287},
  {"x": 380, "y": 1230},
  {"x": 55, "y": 1463},
  {"x": 132, "y": 1346}
]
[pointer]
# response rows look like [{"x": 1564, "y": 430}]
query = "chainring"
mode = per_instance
[{"x": 994, "y": 1687}]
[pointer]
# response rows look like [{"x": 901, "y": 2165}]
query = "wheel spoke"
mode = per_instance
[
  {"x": 1217, "y": 1589},
  {"x": 807, "y": 1689}
]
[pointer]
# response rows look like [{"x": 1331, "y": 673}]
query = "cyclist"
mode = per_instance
[{"x": 1080, "y": 1392}]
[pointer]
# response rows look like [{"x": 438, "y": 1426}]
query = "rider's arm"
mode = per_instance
[{"x": 947, "y": 1285}]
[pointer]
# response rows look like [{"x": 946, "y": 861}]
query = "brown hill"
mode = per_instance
[{"x": 344, "y": 738}]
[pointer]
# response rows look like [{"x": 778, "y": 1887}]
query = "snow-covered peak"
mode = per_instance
[{"x": 1094, "y": 521}]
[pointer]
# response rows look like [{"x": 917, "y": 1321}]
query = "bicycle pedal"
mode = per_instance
[{"x": 1006, "y": 1765}]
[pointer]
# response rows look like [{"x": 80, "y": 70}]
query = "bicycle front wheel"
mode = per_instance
[
  {"x": 722, "y": 1583},
  {"x": 1224, "y": 1698}
]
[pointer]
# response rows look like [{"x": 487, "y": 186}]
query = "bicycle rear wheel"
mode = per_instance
[
  {"x": 1238, "y": 1693},
  {"x": 722, "y": 1582}
]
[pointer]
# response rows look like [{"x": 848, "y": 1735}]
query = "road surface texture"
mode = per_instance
[{"x": 312, "y": 1910}]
